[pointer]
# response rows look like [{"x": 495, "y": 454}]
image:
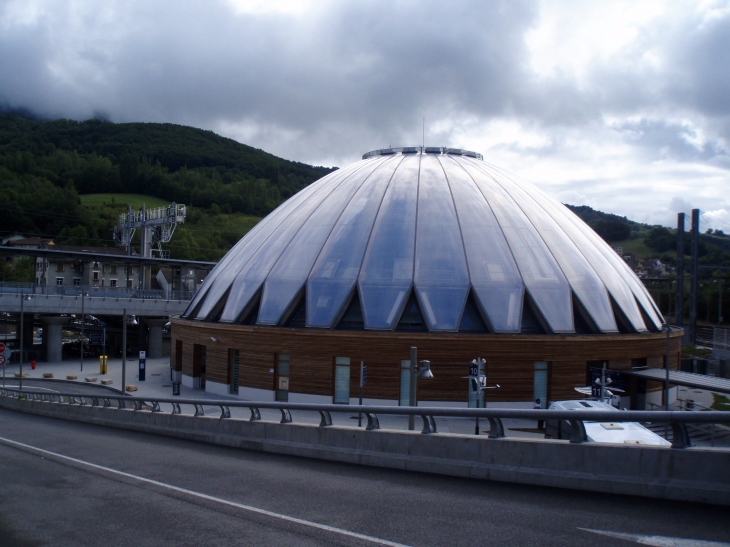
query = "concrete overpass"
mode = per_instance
[{"x": 61, "y": 308}]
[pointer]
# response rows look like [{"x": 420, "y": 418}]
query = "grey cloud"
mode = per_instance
[{"x": 352, "y": 76}]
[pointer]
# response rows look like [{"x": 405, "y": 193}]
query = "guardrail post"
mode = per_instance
[
  {"x": 199, "y": 411},
  {"x": 680, "y": 436},
  {"x": 577, "y": 432},
  {"x": 496, "y": 429},
  {"x": 285, "y": 416},
  {"x": 255, "y": 414},
  {"x": 176, "y": 408},
  {"x": 373, "y": 422},
  {"x": 225, "y": 412},
  {"x": 429, "y": 425},
  {"x": 326, "y": 418}
]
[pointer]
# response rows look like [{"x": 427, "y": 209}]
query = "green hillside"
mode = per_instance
[{"x": 69, "y": 180}]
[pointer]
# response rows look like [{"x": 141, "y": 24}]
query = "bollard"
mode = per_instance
[
  {"x": 32, "y": 365},
  {"x": 103, "y": 364},
  {"x": 176, "y": 388}
]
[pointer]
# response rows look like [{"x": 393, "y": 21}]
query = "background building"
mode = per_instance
[{"x": 431, "y": 248}]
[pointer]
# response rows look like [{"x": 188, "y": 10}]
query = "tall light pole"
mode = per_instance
[
  {"x": 83, "y": 294},
  {"x": 22, "y": 300},
  {"x": 124, "y": 351}
]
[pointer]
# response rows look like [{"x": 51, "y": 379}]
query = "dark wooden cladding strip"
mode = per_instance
[{"x": 510, "y": 358}]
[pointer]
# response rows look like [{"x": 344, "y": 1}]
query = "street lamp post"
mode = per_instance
[
  {"x": 416, "y": 371},
  {"x": 124, "y": 350},
  {"x": 83, "y": 294},
  {"x": 22, "y": 301}
]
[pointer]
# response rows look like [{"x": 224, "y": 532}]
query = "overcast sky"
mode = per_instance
[{"x": 623, "y": 106}]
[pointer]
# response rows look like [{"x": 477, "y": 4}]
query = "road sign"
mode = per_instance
[
  {"x": 364, "y": 379},
  {"x": 473, "y": 369},
  {"x": 2, "y": 360},
  {"x": 96, "y": 338},
  {"x": 3, "y": 347}
]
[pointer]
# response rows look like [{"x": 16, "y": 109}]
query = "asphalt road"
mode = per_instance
[{"x": 70, "y": 484}]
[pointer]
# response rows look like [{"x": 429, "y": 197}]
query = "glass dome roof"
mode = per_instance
[{"x": 438, "y": 227}]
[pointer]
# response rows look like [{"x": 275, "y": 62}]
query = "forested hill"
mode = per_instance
[
  {"x": 172, "y": 162},
  {"x": 46, "y": 166}
]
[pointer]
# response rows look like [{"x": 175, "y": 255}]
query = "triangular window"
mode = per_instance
[
  {"x": 352, "y": 318},
  {"x": 532, "y": 321},
  {"x": 471, "y": 319},
  {"x": 412, "y": 318}
]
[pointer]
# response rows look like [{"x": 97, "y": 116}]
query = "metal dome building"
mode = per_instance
[{"x": 431, "y": 247}]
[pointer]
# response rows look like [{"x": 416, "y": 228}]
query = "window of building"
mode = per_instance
[
  {"x": 112, "y": 282},
  {"x": 96, "y": 276},
  {"x": 233, "y": 365},
  {"x": 113, "y": 270},
  {"x": 540, "y": 390},
  {"x": 282, "y": 377},
  {"x": 59, "y": 281},
  {"x": 59, "y": 266},
  {"x": 405, "y": 382},
  {"x": 73, "y": 266},
  {"x": 342, "y": 381},
  {"x": 129, "y": 284},
  {"x": 77, "y": 281}
]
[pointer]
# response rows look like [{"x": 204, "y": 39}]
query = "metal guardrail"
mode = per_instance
[
  {"x": 677, "y": 419},
  {"x": 93, "y": 291}
]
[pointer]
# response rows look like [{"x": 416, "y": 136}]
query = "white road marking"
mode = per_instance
[
  {"x": 658, "y": 541},
  {"x": 250, "y": 508}
]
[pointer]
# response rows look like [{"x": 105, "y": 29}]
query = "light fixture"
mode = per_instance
[
  {"x": 134, "y": 321},
  {"x": 213, "y": 339},
  {"x": 424, "y": 370}
]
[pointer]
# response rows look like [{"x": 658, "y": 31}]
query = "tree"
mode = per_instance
[{"x": 612, "y": 230}]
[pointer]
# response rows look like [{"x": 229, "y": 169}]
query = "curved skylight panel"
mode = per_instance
[
  {"x": 614, "y": 282},
  {"x": 225, "y": 272},
  {"x": 293, "y": 266},
  {"x": 252, "y": 274},
  {"x": 620, "y": 267},
  {"x": 584, "y": 281},
  {"x": 335, "y": 272},
  {"x": 440, "y": 274},
  {"x": 540, "y": 272},
  {"x": 222, "y": 267},
  {"x": 386, "y": 274},
  {"x": 494, "y": 275}
]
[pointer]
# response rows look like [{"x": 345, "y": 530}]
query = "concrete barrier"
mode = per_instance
[{"x": 694, "y": 474}]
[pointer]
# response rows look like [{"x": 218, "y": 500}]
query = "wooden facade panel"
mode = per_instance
[{"x": 510, "y": 358}]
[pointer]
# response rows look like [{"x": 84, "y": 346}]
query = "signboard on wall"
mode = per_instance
[{"x": 284, "y": 383}]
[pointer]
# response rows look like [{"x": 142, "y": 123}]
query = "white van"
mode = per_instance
[{"x": 601, "y": 432}]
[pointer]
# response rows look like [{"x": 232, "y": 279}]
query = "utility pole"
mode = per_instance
[
  {"x": 679, "y": 319},
  {"x": 694, "y": 274}
]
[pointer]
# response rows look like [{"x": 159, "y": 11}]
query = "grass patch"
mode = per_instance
[
  {"x": 641, "y": 250},
  {"x": 720, "y": 402},
  {"x": 119, "y": 200}
]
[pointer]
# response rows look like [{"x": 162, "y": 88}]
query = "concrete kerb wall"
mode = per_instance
[{"x": 695, "y": 474}]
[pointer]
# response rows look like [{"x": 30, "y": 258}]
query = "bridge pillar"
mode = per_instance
[
  {"x": 154, "y": 347},
  {"x": 52, "y": 327}
]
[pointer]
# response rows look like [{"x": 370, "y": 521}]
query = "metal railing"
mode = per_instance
[
  {"x": 93, "y": 291},
  {"x": 677, "y": 419}
]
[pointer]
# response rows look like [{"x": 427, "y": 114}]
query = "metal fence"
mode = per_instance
[
  {"x": 93, "y": 291},
  {"x": 677, "y": 419}
]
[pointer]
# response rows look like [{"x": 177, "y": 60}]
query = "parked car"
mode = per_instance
[{"x": 601, "y": 432}]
